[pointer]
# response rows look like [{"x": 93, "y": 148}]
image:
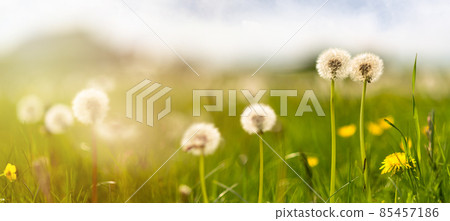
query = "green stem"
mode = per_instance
[
  {"x": 396, "y": 193},
  {"x": 261, "y": 171},
  {"x": 362, "y": 145},
  {"x": 94, "y": 168},
  {"x": 202, "y": 177},
  {"x": 333, "y": 143}
]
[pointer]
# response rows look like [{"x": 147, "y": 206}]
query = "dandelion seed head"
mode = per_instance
[
  {"x": 366, "y": 67},
  {"x": 30, "y": 109},
  {"x": 397, "y": 162},
  {"x": 258, "y": 118},
  {"x": 184, "y": 190},
  {"x": 58, "y": 118},
  {"x": 201, "y": 138},
  {"x": 333, "y": 64},
  {"x": 90, "y": 106}
]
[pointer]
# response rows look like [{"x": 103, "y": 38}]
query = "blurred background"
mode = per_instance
[{"x": 53, "y": 49}]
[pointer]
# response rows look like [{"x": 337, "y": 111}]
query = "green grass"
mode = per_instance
[{"x": 232, "y": 173}]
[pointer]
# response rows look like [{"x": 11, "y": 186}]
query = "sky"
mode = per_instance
[{"x": 231, "y": 31}]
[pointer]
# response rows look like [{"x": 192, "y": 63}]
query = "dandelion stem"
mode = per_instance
[
  {"x": 395, "y": 195},
  {"x": 94, "y": 168},
  {"x": 202, "y": 177},
  {"x": 333, "y": 143},
  {"x": 261, "y": 171},
  {"x": 364, "y": 160}
]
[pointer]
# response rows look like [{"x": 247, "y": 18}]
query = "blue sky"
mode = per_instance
[{"x": 224, "y": 32}]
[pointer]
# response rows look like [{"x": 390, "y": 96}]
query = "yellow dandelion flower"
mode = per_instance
[
  {"x": 10, "y": 172},
  {"x": 347, "y": 131},
  {"x": 396, "y": 162},
  {"x": 402, "y": 146},
  {"x": 375, "y": 129},
  {"x": 383, "y": 124},
  {"x": 312, "y": 161}
]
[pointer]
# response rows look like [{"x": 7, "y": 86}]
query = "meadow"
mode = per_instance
[{"x": 57, "y": 168}]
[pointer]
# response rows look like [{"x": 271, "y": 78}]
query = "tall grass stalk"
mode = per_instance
[
  {"x": 261, "y": 171},
  {"x": 94, "y": 167},
  {"x": 364, "y": 160},
  {"x": 202, "y": 177},
  {"x": 333, "y": 143},
  {"x": 416, "y": 114}
]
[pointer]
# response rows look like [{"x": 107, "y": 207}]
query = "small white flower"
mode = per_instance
[
  {"x": 201, "y": 138},
  {"x": 30, "y": 109},
  {"x": 58, "y": 118},
  {"x": 90, "y": 106},
  {"x": 258, "y": 118},
  {"x": 184, "y": 190},
  {"x": 333, "y": 64},
  {"x": 366, "y": 67}
]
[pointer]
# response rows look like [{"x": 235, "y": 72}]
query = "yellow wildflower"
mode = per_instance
[
  {"x": 10, "y": 172},
  {"x": 375, "y": 129},
  {"x": 396, "y": 162},
  {"x": 312, "y": 161},
  {"x": 383, "y": 124},
  {"x": 347, "y": 131}
]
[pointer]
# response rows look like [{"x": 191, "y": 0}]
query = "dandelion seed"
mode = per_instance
[
  {"x": 366, "y": 67},
  {"x": 201, "y": 139},
  {"x": 375, "y": 129},
  {"x": 30, "y": 109},
  {"x": 184, "y": 190},
  {"x": 347, "y": 131},
  {"x": 258, "y": 118},
  {"x": 312, "y": 161},
  {"x": 397, "y": 162},
  {"x": 333, "y": 64},
  {"x": 90, "y": 106},
  {"x": 10, "y": 172},
  {"x": 205, "y": 141},
  {"x": 58, "y": 118}
]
